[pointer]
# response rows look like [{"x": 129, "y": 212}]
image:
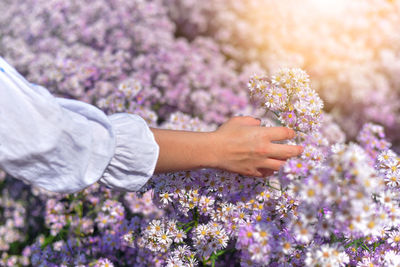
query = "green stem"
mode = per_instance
[
  {"x": 204, "y": 262},
  {"x": 188, "y": 229},
  {"x": 196, "y": 216}
]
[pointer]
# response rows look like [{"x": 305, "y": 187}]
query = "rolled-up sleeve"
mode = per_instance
[
  {"x": 65, "y": 145},
  {"x": 136, "y": 153}
]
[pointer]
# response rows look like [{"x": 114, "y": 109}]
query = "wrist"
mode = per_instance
[{"x": 213, "y": 150}]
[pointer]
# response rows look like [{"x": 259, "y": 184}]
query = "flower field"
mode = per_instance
[{"x": 328, "y": 69}]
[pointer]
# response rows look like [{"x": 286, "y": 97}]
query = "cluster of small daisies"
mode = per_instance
[
  {"x": 326, "y": 256},
  {"x": 159, "y": 235},
  {"x": 388, "y": 164},
  {"x": 288, "y": 94},
  {"x": 372, "y": 138}
]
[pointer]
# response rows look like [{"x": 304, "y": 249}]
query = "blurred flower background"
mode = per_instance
[
  {"x": 186, "y": 64},
  {"x": 351, "y": 49}
]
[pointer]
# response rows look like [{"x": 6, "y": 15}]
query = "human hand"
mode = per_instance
[{"x": 241, "y": 145}]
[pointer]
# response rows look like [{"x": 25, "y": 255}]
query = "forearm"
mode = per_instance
[
  {"x": 239, "y": 145},
  {"x": 183, "y": 150}
]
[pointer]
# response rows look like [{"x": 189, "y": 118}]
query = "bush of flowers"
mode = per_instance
[{"x": 335, "y": 205}]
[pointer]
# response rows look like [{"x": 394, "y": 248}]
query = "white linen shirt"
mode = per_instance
[{"x": 65, "y": 145}]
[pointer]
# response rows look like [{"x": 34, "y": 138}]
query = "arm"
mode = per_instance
[{"x": 239, "y": 145}]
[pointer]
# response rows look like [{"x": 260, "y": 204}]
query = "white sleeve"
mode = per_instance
[{"x": 65, "y": 145}]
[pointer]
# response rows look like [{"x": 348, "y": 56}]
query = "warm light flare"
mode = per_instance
[{"x": 329, "y": 6}]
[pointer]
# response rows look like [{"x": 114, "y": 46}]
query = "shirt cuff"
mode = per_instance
[{"x": 135, "y": 156}]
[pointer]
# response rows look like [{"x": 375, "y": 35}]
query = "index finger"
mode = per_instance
[{"x": 279, "y": 133}]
